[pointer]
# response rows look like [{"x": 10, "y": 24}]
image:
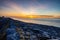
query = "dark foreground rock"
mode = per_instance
[{"x": 17, "y": 30}]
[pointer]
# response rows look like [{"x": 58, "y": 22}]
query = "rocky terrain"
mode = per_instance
[{"x": 17, "y": 30}]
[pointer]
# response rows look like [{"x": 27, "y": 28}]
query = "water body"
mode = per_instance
[{"x": 44, "y": 21}]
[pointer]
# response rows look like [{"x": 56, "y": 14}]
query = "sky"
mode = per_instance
[{"x": 29, "y": 7}]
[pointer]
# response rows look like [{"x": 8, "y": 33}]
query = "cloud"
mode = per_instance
[
  {"x": 43, "y": 7},
  {"x": 14, "y": 6}
]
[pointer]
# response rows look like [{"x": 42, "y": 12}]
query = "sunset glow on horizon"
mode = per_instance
[{"x": 29, "y": 7}]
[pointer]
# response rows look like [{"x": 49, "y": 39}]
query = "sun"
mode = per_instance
[{"x": 30, "y": 16}]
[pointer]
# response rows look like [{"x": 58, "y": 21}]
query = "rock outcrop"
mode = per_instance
[{"x": 17, "y": 30}]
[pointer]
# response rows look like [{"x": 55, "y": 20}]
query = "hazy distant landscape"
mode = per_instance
[
  {"x": 36, "y": 16},
  {"x": 45, "y": 21}
]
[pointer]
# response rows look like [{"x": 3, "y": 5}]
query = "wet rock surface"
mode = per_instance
[{"x": 17, "y": 30}]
